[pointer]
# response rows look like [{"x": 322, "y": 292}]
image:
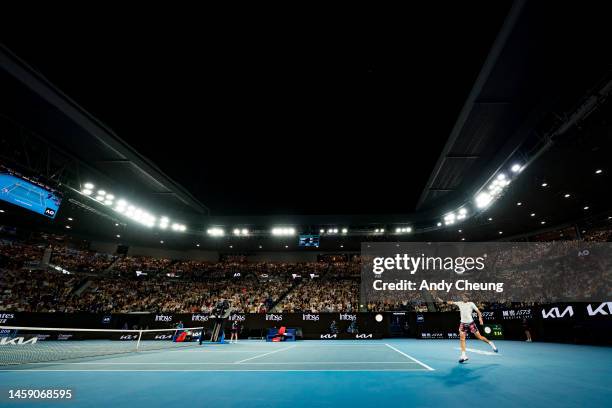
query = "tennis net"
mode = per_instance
[{"x": 23, "y": 345}]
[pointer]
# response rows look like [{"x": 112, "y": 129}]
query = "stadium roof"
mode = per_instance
[
  {"x": 540, "y": 100},
  {"x": 265, "y": 119}
]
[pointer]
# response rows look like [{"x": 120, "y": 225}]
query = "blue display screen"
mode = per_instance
[
  {"x": 18, "y": 191},
  {"x": 309, "y": 241}
]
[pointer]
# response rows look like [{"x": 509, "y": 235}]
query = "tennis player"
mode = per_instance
[{"x": 467, "y": 323}]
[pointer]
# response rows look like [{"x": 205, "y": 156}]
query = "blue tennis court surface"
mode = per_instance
[{"x": 330, "y": 373}]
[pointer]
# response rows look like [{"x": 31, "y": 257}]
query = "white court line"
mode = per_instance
[
  {"x": 193, "y": 371},
  {"x": 265, "y": 354},
  {"x": 229, "y": 363},
  {"x": 476, "y": 351},
  {"x": 410, "y": 357}
]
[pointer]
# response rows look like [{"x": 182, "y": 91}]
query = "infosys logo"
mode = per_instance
[
  {"x": 199, "y": 318},
  {"x": 163, "y": 318},
  {"x": 274, "y": 317},
  {"x": 310, "y": 317},
  {"x": 237, "y": 317},
  {"x": 347, "y": 316}
]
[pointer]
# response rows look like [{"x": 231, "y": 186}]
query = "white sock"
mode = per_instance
[
  {"x": 463, "y": 355},
  {"x": 492, "y": 345}
]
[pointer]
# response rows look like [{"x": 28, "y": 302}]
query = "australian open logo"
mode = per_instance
[
  {"x": 348, "y": 317},
  {"x": 274, "y": 317},
  {"x": 163, "y": 318}
]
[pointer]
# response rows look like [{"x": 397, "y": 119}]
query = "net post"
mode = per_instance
[{"x": 138, "y": 342}]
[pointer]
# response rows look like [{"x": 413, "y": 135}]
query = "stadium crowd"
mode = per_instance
[{"x": 102, "y": 283}]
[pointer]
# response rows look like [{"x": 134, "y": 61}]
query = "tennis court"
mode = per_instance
[{"x": 404, "y": 372}]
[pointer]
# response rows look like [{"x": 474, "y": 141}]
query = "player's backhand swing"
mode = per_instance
[{"x": 467, "y": 323}]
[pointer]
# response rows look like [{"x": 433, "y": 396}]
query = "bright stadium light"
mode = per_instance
[
  {"x": 439, "y": 224},
  {"x": 483, "y": 199},
  {"x": 88, "y": 186},
  {"x": 283, "y": 231},
  {"x": 101, "y": 193},
  {"x": 344, "y": 230},
  {"x": 87, "y": 192},
  {"x": 110, "y": 197},
  {"x": 245, "y": 231},
  {"x": 321, "y": 231},
  {"x": 215, "y": 232},
  {"x": 516, "y": 168},
  {"x": 461, "y": 214},
  {"x": 449, "y": 218},
  {"x": 236, "y": 231}
]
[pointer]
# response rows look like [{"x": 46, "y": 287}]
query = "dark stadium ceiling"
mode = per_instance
[
  {"x": 273, "y": 119},
  {"x": 356, "y": 134}
]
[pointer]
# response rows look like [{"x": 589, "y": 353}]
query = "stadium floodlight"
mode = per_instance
[
  {"x": 344, "y": 230},
  {"x": 108, "y": 202},
  {"x": 483, "y": 199},
  {"x": 544, "y": 184},
  {"x": 88, "y": 186},
  {"x": 215, "y": 232},
  {"x": 101, "y": 193},
  {"x": 500, "y": 232},
  {"x": 245, "y": 231},
  {"x": 110, "y": 197},
  {"x": 439, "y": 224},
  {"x": 283, "y": 231},
  {"x": 118, "y": 236},
  {"x": 398, "y": 230},
  {"x": 586, "y": 207},
  {"x": 236, "y": 231},
  {"x": 330, "y": 231},
  {"x": 321, "y": 231},
  {"x": 449, "y": 218},
  {"x": 567, "y": 196},
  {"x": 335, "y": 230},
  {"x": 462, "y": 213},
  {"x": 598, "y": 171},
  {"x": 87, "y": 192},
  {"x": 516, "y": 168},
  {"x": 519, "y": 203},
  {"x": 501, "y": 176},
  {"x": 377, "y": 230},
  {"x": 532, "y": 214},
  {"x": 100, "y": 198}
]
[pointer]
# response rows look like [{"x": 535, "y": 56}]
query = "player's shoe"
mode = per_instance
[
  {"x": 463, "y": 359},
  {"x": 493, "y": 347}
]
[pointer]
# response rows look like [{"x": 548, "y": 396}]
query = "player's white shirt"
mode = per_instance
[{"x": 466, "y": 309}]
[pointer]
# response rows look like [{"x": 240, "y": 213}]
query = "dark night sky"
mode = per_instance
[{"x": 266, "y": 117}]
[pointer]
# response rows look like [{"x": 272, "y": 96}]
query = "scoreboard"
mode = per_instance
[{"x": 309, "y": 241}]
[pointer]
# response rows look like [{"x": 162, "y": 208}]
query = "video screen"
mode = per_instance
[
  {"x": 18, "y": 191},
  {"x": 309, "y": 241}
]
